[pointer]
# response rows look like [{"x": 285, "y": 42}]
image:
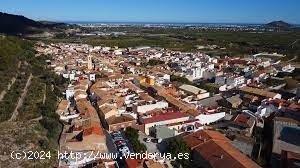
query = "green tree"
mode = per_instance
[
  {"x": 133, "y": 137},
  {"x": 177, "y": 146},
  {"x": 132, "y": 133},
  {"x": 180, "y": 79}
]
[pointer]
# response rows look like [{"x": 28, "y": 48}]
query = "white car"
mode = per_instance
[{"x": 118, "y": 139}]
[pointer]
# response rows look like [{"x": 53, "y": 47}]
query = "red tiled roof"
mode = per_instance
[
  {"x": 186, "y": 122},
  {"x": 217, "y": 150},
  {"x": 278, "y": 102},
  {"x": 199, "y": 137},
  {"x": 217, "y": 157},
  {"x": 133, "y": 163},
  {"x": 259, "y": 92},
  {"x": 93, "y": 130},
  {"x": 164, "y": 117},
  {"x": 88, "y": 111},
  {"x": 241, "y": 119},
  {"x": 119, "y": 119},
  {"x": 289, "y": 159},
  {"x": 294, "y": 107},
  {"x": 85, "y": 107},
  {"x": 237, "y": 61}
]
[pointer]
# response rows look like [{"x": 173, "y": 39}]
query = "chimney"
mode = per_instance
[{"x": 222, "y": 156}]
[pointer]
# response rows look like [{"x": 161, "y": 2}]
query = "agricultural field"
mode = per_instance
[{"x": 219, "y": 43}]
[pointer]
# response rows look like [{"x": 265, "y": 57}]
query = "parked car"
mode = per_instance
[
  {"x": 122, "y": 146},
  {"x": 156, "y": 140},
  {"x": 116, "y": 134},
  {"x": 118, "y": 139},
  {"x": 120, "y": 142},
  {"x": 147, "y": 140}
]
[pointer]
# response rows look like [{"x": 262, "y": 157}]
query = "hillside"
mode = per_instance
[
  {"x": 279, "y": 24},
  {"x": 19, "y": 25},
  {"x": 29, "y": 96},
  {"x": 15, "y": 24}
]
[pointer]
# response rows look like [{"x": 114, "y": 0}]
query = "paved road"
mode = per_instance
[
  {"x": 21, "y": 99},
  {"x": 151, "y": 147},
  {"x": 110, "y": 144}
]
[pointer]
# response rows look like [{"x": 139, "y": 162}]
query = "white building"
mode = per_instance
[
  {"x": 118, "y": 52},
  {"x": 163, "y": 119},
  {"x": 189, "y": 89},
  {"x": 70, "y": 92},
  {"x": 210, "y": 118},
  {"x": 206, "y": 73},
  {"x": 266, "y": 109},
  {"x": 90, "y": 63},
  {"x": 167, "y": 77},
  {"x": 72, "y": 76},
  {"x": 200, "y": 73},
  {"x": 92, "y": 77},
  {"x": 231, "y": 81},
  {"x": 235, "y": 80}
]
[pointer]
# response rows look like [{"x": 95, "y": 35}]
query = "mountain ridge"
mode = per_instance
[
  {"x": 19, "y": 25},
  {"x": 279, "y": 24}
]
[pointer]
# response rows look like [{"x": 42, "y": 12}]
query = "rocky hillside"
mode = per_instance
[
  {"x": 28, "y": 100},
  {"x": 279, "y": 24}
]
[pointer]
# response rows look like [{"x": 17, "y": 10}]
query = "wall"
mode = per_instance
[
  {"x": 203, "y": 95},
  {"x": 112, "y": 112},
  {"x": 245, "y": 148},
  {"x": 119, "y": 126}
]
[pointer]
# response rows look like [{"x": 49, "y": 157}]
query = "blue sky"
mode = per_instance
[{"x": 201, "y": 11}]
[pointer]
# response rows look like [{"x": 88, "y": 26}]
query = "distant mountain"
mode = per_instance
[
  {"x": 19, "y": 25},
  {"x": 279, "y": 24},
  {"x": 15, "y": 24}
]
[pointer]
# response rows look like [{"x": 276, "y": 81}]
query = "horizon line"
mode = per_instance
[
  {"x": 139, "y": 21},
  {"x": 162, "y": 22}
]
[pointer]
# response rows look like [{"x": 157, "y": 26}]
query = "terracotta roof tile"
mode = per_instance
[
  {"x": 62, "y": 106},
  {"x": 242, "y": 119},
  {"x": 119, "y": 119},
  {"x": 259, "y": 92},
  {"x": 200, "y": 137},
  {"x": 217, "y": 150},
  {"x": 164, "y": 117},
  {"x": 133, "y": 163},
  {"x": 93, "y": 130},
  {"x": 216, "y": 156}
]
